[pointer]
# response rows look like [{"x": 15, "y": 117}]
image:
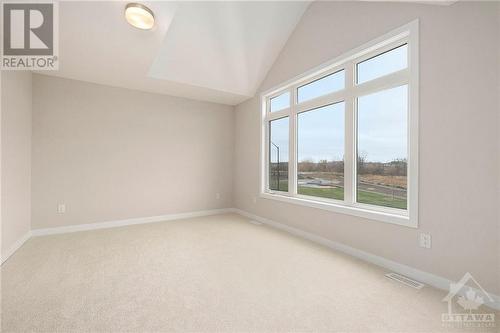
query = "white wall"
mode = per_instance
[
  {"x": 111, "y": 153},
  {"x": 459, "y": 125},
  {"x": 15, "y": 157}
]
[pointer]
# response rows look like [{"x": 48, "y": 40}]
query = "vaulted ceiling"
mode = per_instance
[{"x": 212, "y": 51}]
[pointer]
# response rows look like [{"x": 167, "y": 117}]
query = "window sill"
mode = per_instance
[{"x": 387, "y": 217}]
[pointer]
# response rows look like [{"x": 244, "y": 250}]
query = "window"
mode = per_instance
[
  {"x": 382, "y": 148},
  {"x": 328, "y": 84},
  {"x": 278, "y": 154},
  {"x": 280, "y": 102},
  {"x": 383, "y": 64},
  {"x": 345, "y": 138},
  {"x": 320, "y": 152}
]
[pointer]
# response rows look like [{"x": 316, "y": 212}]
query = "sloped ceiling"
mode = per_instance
[{"x": 211, "y": 51}]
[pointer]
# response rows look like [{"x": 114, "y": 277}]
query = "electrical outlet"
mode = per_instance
[
  {"x": 217, "y": 196},
  {"x": 61, "y": 208},
  {"x": 425, "y": 241}
]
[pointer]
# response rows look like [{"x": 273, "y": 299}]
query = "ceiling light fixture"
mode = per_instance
[{"x": 139, "y": 16}]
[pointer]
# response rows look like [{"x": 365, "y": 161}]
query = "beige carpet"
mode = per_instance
[{"x": 210, "y": 274}]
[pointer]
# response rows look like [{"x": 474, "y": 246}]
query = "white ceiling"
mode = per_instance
[{"x": 212, "y": 51}]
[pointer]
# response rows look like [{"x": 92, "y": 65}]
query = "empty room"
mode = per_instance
[{"x": 250, "y": 166}]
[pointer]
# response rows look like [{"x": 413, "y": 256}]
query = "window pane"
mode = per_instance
[
  {"x": 320, "y": 87},
  {"x": 383, "y": 64},
  {"x": 280, "y": 102},
  {"x": 278, "y": 154},
  {"x": 382, "y": 148},
  {"x": 320, "y": 152}
]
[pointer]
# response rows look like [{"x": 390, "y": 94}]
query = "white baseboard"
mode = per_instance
[
  {"x": 108, "y": 224},
  {"x": 20, "y": 242},
  {"x": 121, "y": 223},
  {"x": 425, "y": 277}
]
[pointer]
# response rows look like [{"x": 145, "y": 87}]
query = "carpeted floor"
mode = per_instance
[{"x": 209, "y": 274}]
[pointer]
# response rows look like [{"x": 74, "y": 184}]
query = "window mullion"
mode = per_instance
[
  {"x": 292, "y": 165},
  {"x": 331, "y": 98},
  {"x": 387, "y": 82},
  {"x": 277, "y": 114},
  {"x": 266, "y": 156},
  {"x": 350, "y": 141}
]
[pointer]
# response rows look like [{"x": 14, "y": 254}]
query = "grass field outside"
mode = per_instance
[
  {"x": 330, "y": 193},
  {"x": 337, "y": 193},
  {"x": 378, "y": 199},
  {"x": 283, "y": 186}
]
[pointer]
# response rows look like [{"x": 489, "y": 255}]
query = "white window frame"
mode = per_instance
[{"x": 407, "y": 34}]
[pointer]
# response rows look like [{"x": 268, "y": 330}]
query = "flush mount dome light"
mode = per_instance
[{"x": 139, "y": 16}]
